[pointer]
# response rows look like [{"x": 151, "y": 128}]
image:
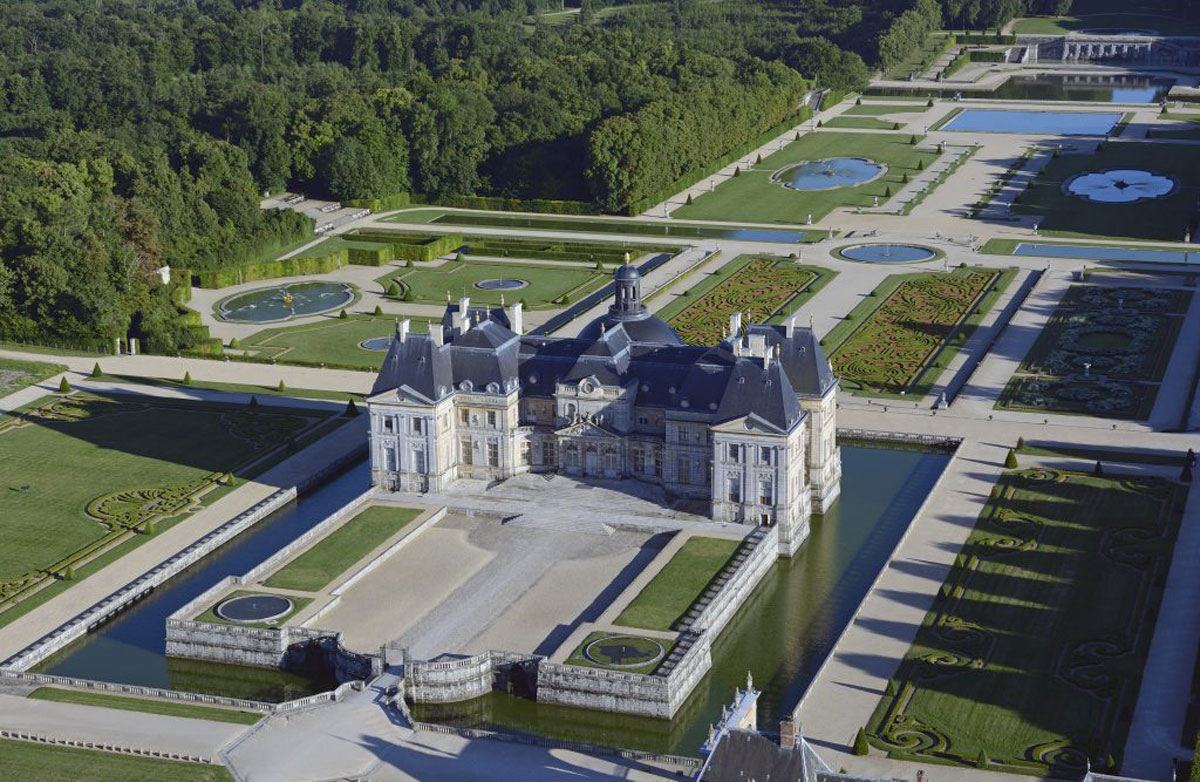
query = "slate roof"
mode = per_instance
[
  {"x": 742, "y": 756},
  {"x": 712, "y": 382}
]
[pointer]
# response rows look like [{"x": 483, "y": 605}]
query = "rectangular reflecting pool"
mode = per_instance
[
  {"x": 1096, "y": 253},
  {"x": 1091, "y": 88},
  {"x": 1049, "y": 123},
  {"x": 628, "y": 227}
]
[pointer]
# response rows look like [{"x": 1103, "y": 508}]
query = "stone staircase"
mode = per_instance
[
  {"x": 557, "y": 523},
  {"x": 717, "y": 584}
]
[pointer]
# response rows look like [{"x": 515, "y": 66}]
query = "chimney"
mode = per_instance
[
  {"x": 438, "y": 332},
  {"x": 463, "y": 321},
  {"x": 402, "y": 327},
  {"x": 789, "y": 734},
  {"x": 735, "y": 325},
  {"x": 758, "y": 345},
  {"x": 789, "y": 330},
  {"x": 514, "y": 317}
]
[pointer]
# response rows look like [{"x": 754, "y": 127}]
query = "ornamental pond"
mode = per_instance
[
  {"x": 782, "y": 634},
  {"x": 1047, "y": 123},
  {"x": 629, "y": 227},
  {"x": 887, "y": 253},
  {"x": 1102, "y": 253},
  {"x": 829, "y": 174},
  {"x": 284, "y": 302}
]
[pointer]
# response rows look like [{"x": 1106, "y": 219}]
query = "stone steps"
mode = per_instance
[
  {"x": 558, "y": 524},
  {"x": 714, "y": 588}
]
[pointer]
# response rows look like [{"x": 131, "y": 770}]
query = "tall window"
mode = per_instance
[
  {"x": 464, "y": 415},
  {"x": 735, "y": 488},
  {"x": 766, "y": 493},
  {"x": 735, "y": 453},
  {"x": 493, "y": 453},
  {"x": 612, "y": 460},
  {"x": 766, "y": 455},
  {"x": 526, "y": 452},
  {"x": 658, "y": 464},
  {"x": 549, "y": 457},
  {"x": 418, "y": 425},
  {"x": 418, "y": 460},
  {"x": 685, "y": 471},
  {"x": 389, "y": 424},
  {"x": 639, "y": 461},
  {"x": 389, "y": 458},
  {"x": 465, "y": 455},
  {"x": 491, "y": 419}
]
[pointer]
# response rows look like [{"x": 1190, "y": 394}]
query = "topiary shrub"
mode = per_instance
[
  {"x": 689, "y": 199},
  {"x": 409, "y": 264},
  {"x": 737, "y": 170},
  {"x": 920, "y": 165},
  {"x": 97, "y": 371},
  {"x": 351, "y": 409},
  {"x": 281, "y": 387},
  {"x": 378, "y": 310},
  {"x": 393, "y": 289},
  {"x": 342, "y": 315},
  {"x": 1020, "y": 443},
  {"x": 1010, "y": 461},
  {"x": 861, "y": 746},
  {"x": 187, "y": 378},
  {"x": 64, "y": 386},
  {"x": 1098, "y": 469},
  {"x": 982, "y": 761},
  {"x": 1186, "y": 474},
  {"x": 254, "y": 401}
]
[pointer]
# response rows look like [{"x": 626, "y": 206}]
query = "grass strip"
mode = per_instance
[
  {"x": 149, "y": 705},
  {"x": 26, "y": 761},
  {"x": 669, "y": 595}
]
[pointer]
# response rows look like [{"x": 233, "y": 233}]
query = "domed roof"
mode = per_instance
[
  {"x": 627, "y": 273},
  {"x": 644, "y": 329}
]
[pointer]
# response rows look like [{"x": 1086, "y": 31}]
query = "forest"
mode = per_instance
[{"x": 136, "y": 134}]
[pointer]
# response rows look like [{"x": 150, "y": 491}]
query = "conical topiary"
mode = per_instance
[
  {"x": 187, "y": 378},
  {"x": 982, "y": 761},
  {"x": 351, "y": 409},
  {"x": 861, "y": 747},
  {"x": 378, "y": 310},
  {"x": 1020, "y": 443},
  {"x": 1098, "y": 469},
  {"x": 97, "y": 371},
  {"x": 343, "y": 315},
  {"x": 281, "y": 387},
  {"x": 64, "y": 385},
  {"x": 393, "y": 289},
  {"x": 1010, "y": 461},
  {"x": 689, "y": 199},
  {"x": 1186, "y": 474}
]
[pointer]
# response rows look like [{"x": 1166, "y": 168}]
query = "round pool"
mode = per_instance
[
  {"x": 624, "y": 651},
  {"x": 285, "y": 302},
  {"x": 501, "y": 284},
  {"x": 1120, "y": 185},
  {"x": 376, "y": 344},
  {"x": 829, "y": 174},
  {"x": 887, "y": 253},
  {"x": 254, "y": 608}
]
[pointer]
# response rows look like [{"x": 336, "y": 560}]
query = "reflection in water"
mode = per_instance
[
  {"x": 829, "y": 174},
  {"x": 287, "y": 301},
  {"x": 783, "y": 632}
]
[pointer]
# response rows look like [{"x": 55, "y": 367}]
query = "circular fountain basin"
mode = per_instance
[
  {"x": 624, "y": 651},
  {"x": 501, "y": 284},
  {"x": 1120, "y": 186},
  {"x": 254, "y": 608},
  {"x": 887, "y": 253},
  {"x": 376, "y": 344},
  {"x": 830, "y": 173},
  {"x": 264, "y": 305}
]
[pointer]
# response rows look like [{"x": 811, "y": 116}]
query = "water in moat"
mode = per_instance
[
  {"x": 783, "y": 632},
  {"x": 132, "y": 648}
]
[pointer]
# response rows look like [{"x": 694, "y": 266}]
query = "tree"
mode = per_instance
[
  {"x": 64, "y": 385},
  {"x": 187, "y": 378},
  {"x": 281, "y": 387},
  {"x": 96, "y": 370},
  {"x": 1010, "y": 461},
  {"x": 1020, "y": 443},
  {"x": 253, "y": 401},
  {"x": 343, "y": 315},
  {"x": 393, "y": 289},
  {"x": 378, "y": 310},
  {"x": 861, "y": 745}
]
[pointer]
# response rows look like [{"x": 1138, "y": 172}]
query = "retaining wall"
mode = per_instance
[
  {"x": 445, "y": 681},
  {"x": 725, "y": 604}
]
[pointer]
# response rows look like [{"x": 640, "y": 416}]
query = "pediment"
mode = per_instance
[
  {"x": 586, "y": 427},
  {"x": 747, "y": 423}
]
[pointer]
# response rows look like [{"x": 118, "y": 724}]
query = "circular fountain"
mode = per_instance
[
  {"x": 501, "y": 284},
  {"x": 284, "y": 302},
  {"x": 887, "y": 253},
  {"x": 829, "y": 174},
  {"x": 254, "y": 608}
]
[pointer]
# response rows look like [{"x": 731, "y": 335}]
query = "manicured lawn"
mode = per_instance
[
  {"x": 1163, "y": 218},
  {"x": 15, "y": 375},
  {"x": 546, "y": 284},
  {"x": 28, "y": 762},
  {"x": 761, "y": 287},
  {"x": 85, "y": 472},
  {"x": 618, "y": 652},
  {"x": 318, "y": 566},
  {"x": 633, "y": 227},
  {"x": 668, "y": 596},
  {"x": 243, "y": 388},
  {"x": 1126, "y": 335},
  {"x": 210, "y": 614},
  {"x": 755, "y": 197},
  {"x": 920, "y": 58},
  {"x": 1183, "y": 126},
  {"x": 149, "y": 705},
  {"x": 881, "y": 109},
  {"x": 1033, "y": 650},
  {"x": 885, "y": 344},
  {"x": 331, "y": 341},
  {"x": 1058, "y": 25}
]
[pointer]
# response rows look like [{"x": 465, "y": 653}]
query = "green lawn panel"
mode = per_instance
[
  {"x": 669, "y": 595},
  {"x": 321, "y": 564},
  {"x": 150, "y": 706},
  {"x": 20, "y": 760}
]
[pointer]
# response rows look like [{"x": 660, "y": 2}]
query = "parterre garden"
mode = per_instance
[
  {"x": 1102, "y": 353},
  {"x": 15, "y": 375},
  {"x": 88, "y": 477},
  {"x": 754, "y": 196},
  {"x": 760, "y": 286},
  {"x": 1031, "y": 657},
  {"x": 1166, "y": 218},
  {"x": 901, "y": 338},
  {"x": 332, "y": 341},
  {"x": 547, "y": 286}
]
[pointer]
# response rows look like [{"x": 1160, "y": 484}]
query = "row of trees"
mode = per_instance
[{"x": 909, "y": 31}]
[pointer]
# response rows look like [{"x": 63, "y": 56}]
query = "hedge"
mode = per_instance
[
  {"x": 268, "y": 270},
  {"x": 428, "y": 250},
  {"x": 977, "y": 39},
  {"x": 688, "y": 180},
  {"x": 374, "y": 255},
  {"x": 495, "y": 203},
  {"x": 384, "y": 204}
]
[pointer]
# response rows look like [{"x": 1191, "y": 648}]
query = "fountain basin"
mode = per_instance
[
  {"x": 1120, "y": 186},
  {"x": 829, "y": 174},
  {"x": 887, "y": 253},
  {"x": 266, "y": 305}
]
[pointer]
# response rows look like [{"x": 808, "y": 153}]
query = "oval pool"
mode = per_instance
[
  {"x": 829, "y": 174},
  {"x": 284, "y": 302},
  {"x": 887, "y": 253}
]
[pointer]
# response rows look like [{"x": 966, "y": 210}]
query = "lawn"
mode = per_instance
[
  {"x": 1163, "y": 218},
  {"x": 1124, "y": 335},
  {"x": 861, "y": 123},
  {"x": 15, "y": 375},
  {"x": 545, "y": 286},
  {"x": 318, "y": 566},
  {"x": 754, "y": 196},
  {"x": 149, "y": 705},
  {"x": 761, "y": 287},
  {"x": 332, "y": 341},
  {"x": 666, "y": 229},
  {"x": 883, "y": 109},
  {"x": 1059, "y": 25},
  {"x": 666, "y": 599},
  {"x": 919, "y": 59},
  {"x": 619, "y": 652},
  {"x": 1186, "y": 126},
  {"x": 888, "y": 344},
  {"x": 29, "y": 762},
  {"x": 1033, "y": 649},
  {"x": 86, "y": 472}
]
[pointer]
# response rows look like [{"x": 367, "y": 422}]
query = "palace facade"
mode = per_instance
[{"x": 748, "y": 425}]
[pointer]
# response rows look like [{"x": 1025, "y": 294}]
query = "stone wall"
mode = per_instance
[
  {"x": 263, "y": 648},
  {"x": 763, "y": 550}
]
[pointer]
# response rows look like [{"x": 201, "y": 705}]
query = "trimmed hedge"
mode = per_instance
[
  {"x": 497, "y": 204},
  {"x": 384, "y": 204},
  {"x": 268, "y": 270},
  {"x": 977, "y": 39},
  {"x": 696, "y": 175},
  {"x": 374, "y": 255}
]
